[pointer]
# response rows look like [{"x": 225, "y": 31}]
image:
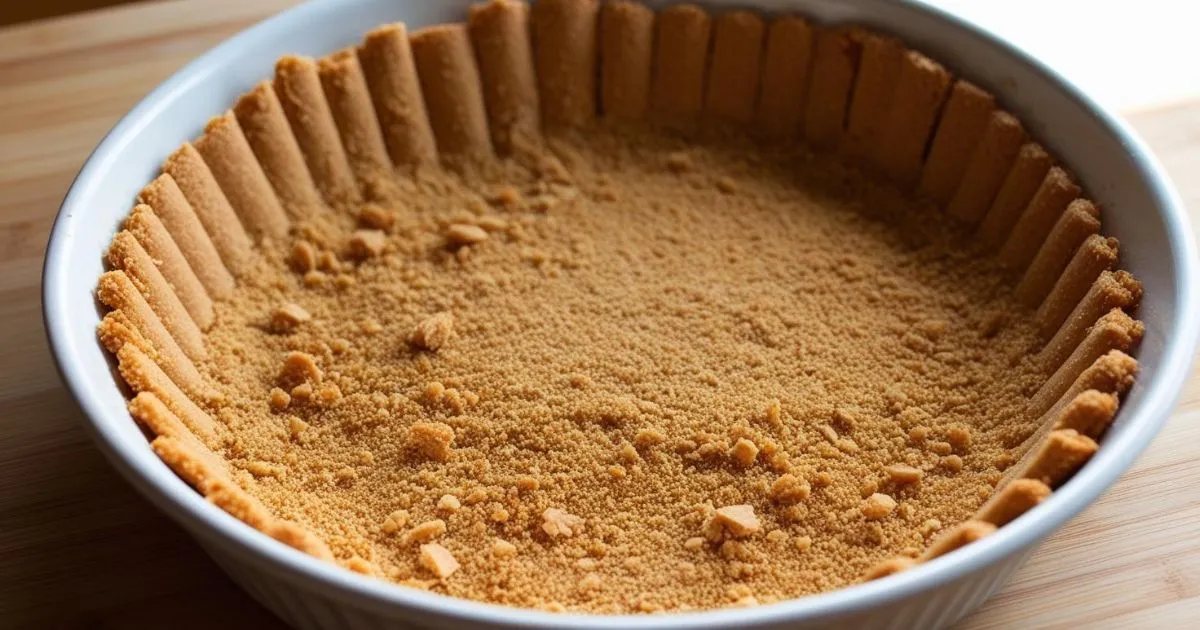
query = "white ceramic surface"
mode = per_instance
[{"x": 1140, "y": 206}]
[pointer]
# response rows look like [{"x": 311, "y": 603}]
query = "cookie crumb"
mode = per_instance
[
  {"x": 449, "y": 503},
  {"x": 288, "y": 317},
  {"x": 878, "y": 506},
  {"x": 367, "y": 243},
  {"x": 465, "y": 234},
  {"x": 433, "y": 332},
  {"x": 738, "y": 521},
  {"x": 376, "y": 217},
  {"x": 559, "y": 524},
  {"x": 902, "y": 474},
  {"x": 744, "y": 452},
  {"x": 425, "y": 531},
  {"x": 438, "y": 560},
  {"x": 303, "y": 257},
  {"x": 789, "y": 490},
  {"x": 299, "y": 367},
  {"x": 279, "y": 399},
  {"x": 432, "y": 439},
  {"x": 395, "y": 522},
  {"x": 503, "y": 549}
]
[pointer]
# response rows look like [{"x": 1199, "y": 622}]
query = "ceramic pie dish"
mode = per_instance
[{"x": 1114, "y": 171}]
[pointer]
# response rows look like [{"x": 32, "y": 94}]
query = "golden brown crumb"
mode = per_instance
[
  {"x": 464, "y": 234},
  {"x": 299, "y": 367},
  {"x": 367, "y": 243},
  {"x": 288, "y": 316},
  {"x": 557, "y": 523},
  {"x": 507, "y": 196},
  {"x": 789, "y": 490},
  {"x": 878, "y": 506},
  {"x": 376, "y": 217},
  {"x": 433, "y": 332},
  {"x": 744, "y": 452},
  {"x": 503, "y": 549},
  {"x": 279, "y": 399},
  {"x": 304, "y": 256},
  {"x": 395, "y": 521},
  {"x": 904, "y": 475},
  {"x": 449, "y": 503},
  {"x": 432, "y": 439},
  {"x": 438, "y": 560},
  {"x": 425, "y": 531},
  {"x": 738, "y": 521}
]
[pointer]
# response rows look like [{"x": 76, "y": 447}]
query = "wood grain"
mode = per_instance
[{"x": 81, "y": 549}]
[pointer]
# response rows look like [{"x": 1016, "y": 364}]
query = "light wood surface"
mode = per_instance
[{"x": 78, "y": 548}]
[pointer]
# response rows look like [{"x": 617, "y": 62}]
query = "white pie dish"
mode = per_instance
[{"x": 1141, "y": 209}]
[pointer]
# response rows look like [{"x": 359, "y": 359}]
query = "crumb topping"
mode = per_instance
[{"x": 644, "y": 375}]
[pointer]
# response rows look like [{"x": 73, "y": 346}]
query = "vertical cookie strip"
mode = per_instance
[
  {"x": 450, "y": 83},
  {"x": 126, "y": 254},
  {"x": 116, "y": 329},
  {"x": 1080, "y": 220},
  {"x": 232, "y": 163},
  {"x": 266, "y": 129},
  {"x": 680, "y": 59},
  {"x": 1011, "y": 501},
  {"x": 1020, "y": 185},
  {"x": 118, "y": 292},
  {"x": 1090, "y": 413},
  {"x": 387, "y": 64},
  {"x": 1051, "y": 200},
  {"x": 189, "y": 462},
  {"x": 164, "y": 197},
  {"x": 871, "y": 97},
  {"x": 835, "y": 61},
  {"x": 153, "y": 414},
  {"x": 626, "y": 59},
  {"x": 358, "y": 127},
  {"x": 920, "y": 89},
  {"x": 154, "y": 238},
  {"x": 733, "y": 72},
  {"x": 890, "y": 566},
  {"x": 155, "y": 417},
  {"x": 142, "y": 374},
  {"x": 985, "y": 171},
  {"x": 565, "y": 54},
  {"x": 957, "y": 537},
  {"x": 1095, "y": 255},
  {"x": 200, "y": 190},
  {"x": 303, "y": 99},
  {"x": 1110, "y": 291},
  {"x": 1116, "y": 330},
  {"x": 1112, "y": 373},
  {"x": 1058, "y": 458},
  {"x": 783, "y": 86},
  {"x": 500, "y": 34},
  {"x": 962, "y": 124}
]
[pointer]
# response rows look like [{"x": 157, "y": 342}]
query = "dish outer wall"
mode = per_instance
[{"x": 1140, "y": 207}]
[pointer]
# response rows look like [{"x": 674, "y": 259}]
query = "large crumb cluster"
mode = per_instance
[{"x": 643, "y": 375}]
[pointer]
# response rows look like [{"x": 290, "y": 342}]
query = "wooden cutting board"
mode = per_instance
[{"x": 78, "y": 548}]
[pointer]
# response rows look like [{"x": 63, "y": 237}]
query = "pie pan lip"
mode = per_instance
[{"x": 83, "y": 226}]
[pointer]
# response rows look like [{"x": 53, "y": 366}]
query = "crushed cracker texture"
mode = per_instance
[{"x": 694, "y": 365}]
